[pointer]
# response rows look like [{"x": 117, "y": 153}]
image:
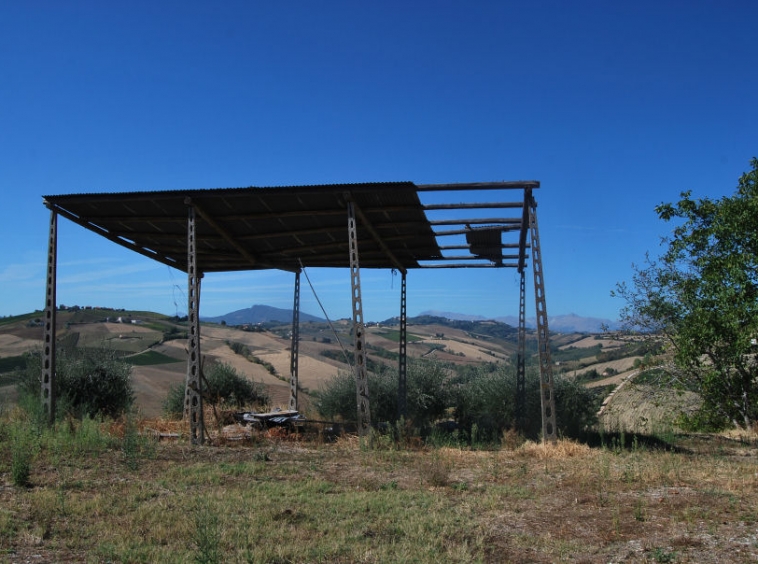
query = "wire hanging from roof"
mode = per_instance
[{"x": 329, "y": 321}]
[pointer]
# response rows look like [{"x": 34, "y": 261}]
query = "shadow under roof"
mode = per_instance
[{"x": 286, "y": 227}]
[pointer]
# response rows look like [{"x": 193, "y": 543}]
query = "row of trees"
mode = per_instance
[
  {"x": 481, "y": 399},
  {"x": 96, "y": 382},
  {"x": 701, "y": 295}
]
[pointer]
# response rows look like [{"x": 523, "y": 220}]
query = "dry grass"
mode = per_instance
[
  {"x": 555, "y": 451},
  {"x": 276, "y": 498}
]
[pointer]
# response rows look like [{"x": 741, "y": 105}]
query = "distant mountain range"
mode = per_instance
[
  {"x": 570, "y": 323},
  {"x": 260, "y": 314}
]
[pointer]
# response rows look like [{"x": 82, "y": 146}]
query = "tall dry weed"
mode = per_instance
[{"x": 554, "y": 451}]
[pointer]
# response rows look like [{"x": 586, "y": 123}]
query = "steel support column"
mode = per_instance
[
  {"x": 193, "y": 398},
  {"x": 521, "y": 358},
  {"x": 48, "y": 351},
  {"x": 547, "y": 395},
  {"x": 402, "y": 389},
  {"x": 295, "y": 347},
  {"x": 361, "y": 376}
]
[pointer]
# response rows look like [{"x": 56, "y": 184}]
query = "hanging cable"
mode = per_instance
[
  {"x": 334, "y": 331},
  {"x": 174, "y": 288}
]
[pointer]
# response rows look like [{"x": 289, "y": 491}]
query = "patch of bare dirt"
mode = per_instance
[{"x": 641, "y": 408}]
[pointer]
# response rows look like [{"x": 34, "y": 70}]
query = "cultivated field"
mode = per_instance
[
  {"x": 152, "y": 382},
  {"x": 320, "y": 358}
]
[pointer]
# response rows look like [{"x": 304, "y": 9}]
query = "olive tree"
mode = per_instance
[
  {"x": 92, "y": 382},
  {"x": 428, "y": 395}
]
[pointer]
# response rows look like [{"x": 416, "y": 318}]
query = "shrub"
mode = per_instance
[
  {"x": 96, "y": 382},
  {"x": 93, "y": 382},
  {"x": 22, "y": 451},
  {"x": 226, "y": 385},
  {"x": 484, "y": 400},
  {"x": 173, "y": 405},
  {"x": 488, "y": 400},
  {"x": 223, "y": 384},
  {"x": 336, "y": 397},
  {"x": 428, "y": 394}
]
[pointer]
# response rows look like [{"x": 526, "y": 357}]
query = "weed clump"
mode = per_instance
[
  {"x": 23, "y": 447},
  {"x": 207, "y": 535}
]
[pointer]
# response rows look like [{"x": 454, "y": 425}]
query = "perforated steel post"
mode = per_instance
[
  {"x": 402, "y": 369},
  {"x": 547, "y": 394},
  {"x": 193, "y": 398},
  {"x": 361, "y": 376},
  {"x": 295, "y": 347},
  {"x": 48, "y": 351},
  {"x": 521, "y": 359}
]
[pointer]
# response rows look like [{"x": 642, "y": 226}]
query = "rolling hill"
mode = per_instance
[
  {"x": 156, "y": 346},
  {"x": 259, "y": 314}
]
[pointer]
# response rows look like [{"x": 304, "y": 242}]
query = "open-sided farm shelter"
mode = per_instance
[{"x": 352, "y": 226}]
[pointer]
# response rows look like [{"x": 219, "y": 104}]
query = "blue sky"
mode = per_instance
[{"x": 614, "y": 107}]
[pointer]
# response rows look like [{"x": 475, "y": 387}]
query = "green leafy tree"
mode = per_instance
[
  {"x": 428, "y": 394},
  {"x": 223, "y": 385},
  {"x": 484, "y": 396},
  {"x": 90, "y": 382},
  {"x": 488, "y": 399},
  {"x": 226, "y": 385},
  {"x": 702, "y": 295}
]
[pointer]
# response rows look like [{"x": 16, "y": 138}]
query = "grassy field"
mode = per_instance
[{"x": 110, "y": 492}]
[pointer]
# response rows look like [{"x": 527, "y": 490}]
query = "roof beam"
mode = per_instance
[
  {"x": 298, "y": 213},
  {"x": 370, "y": 228},
  {"x": 473, "y": 206},
  {"x": 504, "y": 265},
  {"x": 270, "y": 234},
  {"x": 226, "y": 235},
  {"x": 474, "y": 257},
  {"x": 504, "y": 228},
  {"x": 461, "y": 247},
  {"x": 475, "y": 221},
  {"x": 518, "y": 184}
]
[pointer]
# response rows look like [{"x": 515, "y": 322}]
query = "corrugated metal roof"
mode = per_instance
[{"x": 256, "y": 228}]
